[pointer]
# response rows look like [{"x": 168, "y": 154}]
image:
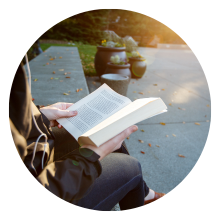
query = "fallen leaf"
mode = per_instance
[
  {"x": 60, "y": 57},
  {"x": 170, "y": 104},
  {"x": 54, "y": 72},
  {"x": 141, "y": 141},
  {"x": 196, "y": 123},
  {"x": 61, "y": 80},
  {"x": 35, "y": 80},
  {"x": 155, "y": 84},
  {"x": 134, "y": 92},
  {"x": 128, "y": 138},
  {"x": 179, "y": 108},
  {"x": 68, "y": 77},
  {"x": 47, "y": 63},
  {"x": 149, "y": 145},
  {"x": 142, "y": 152},
  {"x": 163, "y": 89},
  {"x": 174, "y": 135},
  {"x": 132, "y": 82},
  {"x": 142, "y": 130},
  {"x": 207, "y": 120},
  {"x": 77, "y": 90},
  {"x": 65, "y": 73},
  {"x": 51, "y": 58},
  {"x": 157, "y": 145},
  {"x": 162, "y": 123},
  {"x": 69, "y": 91},
  {"x": 167, "y": 135},
  {"x": 81, "y": 89},
  {"x": 180, "y": 155},
  {"x": 141, "y": 93},
  {"x": 51, "y": 78},
  {"x": 184, "y": 122},
  {"x": 33, "y": 99},
  {"x": 208, "y": 105},
  {"x": 56, "y": 78},
  {"x": 65, "y": 93},
  {"x": 205, "y": 115},
  {"x": 61, "y": 69}
]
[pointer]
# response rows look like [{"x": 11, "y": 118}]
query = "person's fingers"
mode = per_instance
[
  {"x": 68, "y": 105},
  {"x": 66, "y": 113},
  {"x": 120, "y": 137}
]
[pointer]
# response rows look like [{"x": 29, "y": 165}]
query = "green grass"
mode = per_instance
[{"x": 87, "y": 54}]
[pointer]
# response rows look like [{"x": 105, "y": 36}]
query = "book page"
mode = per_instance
[{"x": 93, "y": 109}]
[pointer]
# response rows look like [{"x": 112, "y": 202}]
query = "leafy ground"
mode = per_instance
[{"x": 87, "y": 54}]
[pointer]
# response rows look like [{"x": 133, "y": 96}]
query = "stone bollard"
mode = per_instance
[{"x": 117, "y": 82}]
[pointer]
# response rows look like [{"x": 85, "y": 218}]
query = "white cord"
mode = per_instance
[{"x": 42, "y": 134}]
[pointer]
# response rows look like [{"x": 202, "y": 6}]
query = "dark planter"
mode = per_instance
[
  {"x": 123, "y": 70},
  {"x": 103, "y": 56},
  {"x": 138, "y": 67}
]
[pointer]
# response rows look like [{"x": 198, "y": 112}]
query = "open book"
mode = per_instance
[{"x": 104, "y": 113}]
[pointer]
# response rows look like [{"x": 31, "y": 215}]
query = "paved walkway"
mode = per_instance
[
  {"x": 48, "y": 91},
  {"x": 177, "y": 77},
  {"x": 174, "y": 75}
]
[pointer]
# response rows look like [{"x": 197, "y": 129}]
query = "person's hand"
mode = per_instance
[
  {"x": 56, "y": 111},
  {"x": 113, "y": 144}
]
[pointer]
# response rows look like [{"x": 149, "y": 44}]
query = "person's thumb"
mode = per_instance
[{"x": 66, "y": 113}]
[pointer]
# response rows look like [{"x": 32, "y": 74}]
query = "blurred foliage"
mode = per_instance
[{"x": 88, "y": 27}]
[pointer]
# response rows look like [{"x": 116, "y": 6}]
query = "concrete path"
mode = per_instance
[
  {"x": 177, "y": 77},
  {"x": 48, "y": 91},
  {"x": 174, "y": 75}
]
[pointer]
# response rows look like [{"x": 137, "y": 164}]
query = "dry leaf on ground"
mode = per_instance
[
  {"x": 65, "y": 93},
  {"x": 61, "y": 69},
  {"x": 162, "y": 123},
  {"x": 35, "y": 80},
  {"x": 134, "y": 92},
  {"x": 157, "y": 145},
  {"x": 184, "y": 122},
  {"x": 141, "y": 141},
  {"x": 128, "y": 138},
  {"x": 141, "y": 93},
  {"x": 33, "y": 99},
  {"x": 77, "y": 90},
  {"x": 163, "y": 89},
  {"x": 170, "y": 104},
  {"x": 51, "y": 78},
  {"x": 68, "y": 77},
  {"x": 54, "y": 72},
  {"x": 196, "y": 123},
  {"x": 47, "y": 63},
  {"x": 149, "y": 144},
  {"x": 81, "y": 89},
  {"x": 61, "y": 80},
  {"x": 51, "y": 58},
  {"x": 167, "y": 135},
  {"x": 174, "y": 135},
  {"x": 60, "y": 57},
  {"x": 142, "y": 130},
  {"x": 180, "y": 155},
  {"x": 207, "y": 120},
  {"x": 56, "y": 78},
  {"x": 142, "y": 152},
  {"x": 208, "y": 105},
  {"x": 155, "y": 84}
]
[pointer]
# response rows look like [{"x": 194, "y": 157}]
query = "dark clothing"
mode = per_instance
[
  {"x": 72, "y": 173},
  {"x": 61, "y": 177}
]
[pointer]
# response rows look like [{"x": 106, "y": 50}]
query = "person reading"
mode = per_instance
[{"x": 88, "y": 176}]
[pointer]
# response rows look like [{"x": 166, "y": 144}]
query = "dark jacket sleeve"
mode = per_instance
[{"x": 72, "y": 178}]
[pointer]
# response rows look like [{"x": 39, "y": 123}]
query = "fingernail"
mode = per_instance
[
  {"x": 74, "y": 112},
  {"x": 134, "y": 128}
]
